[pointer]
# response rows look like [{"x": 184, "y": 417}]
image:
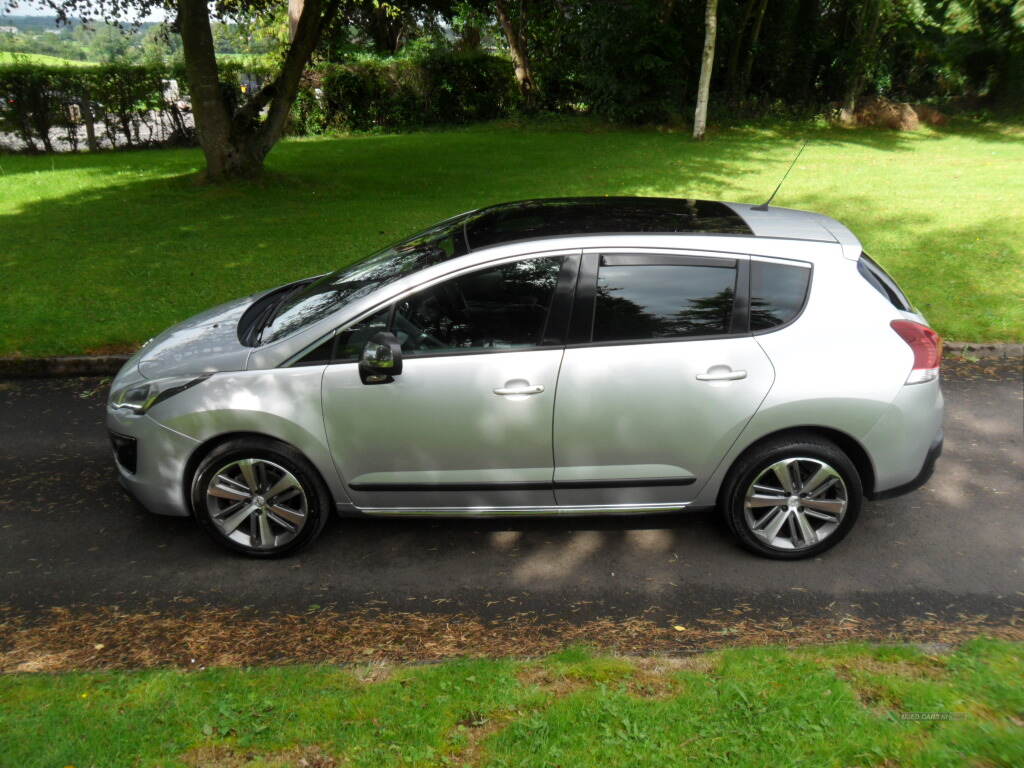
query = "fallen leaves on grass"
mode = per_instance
[{"x": 65, "y": 639}]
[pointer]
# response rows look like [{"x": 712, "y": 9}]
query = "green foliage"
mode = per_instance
[
  {"x": 439, "y": 88},
  {"x": 632, "y": 61},
  {"x": 746, "y": 708}
]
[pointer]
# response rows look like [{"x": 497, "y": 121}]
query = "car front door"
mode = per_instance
[
  {"x": 466, "y": 426},
  {"x": 660, "y": 376}
]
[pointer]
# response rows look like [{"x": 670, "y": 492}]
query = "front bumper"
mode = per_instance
[{"x": 161, "y": 454}]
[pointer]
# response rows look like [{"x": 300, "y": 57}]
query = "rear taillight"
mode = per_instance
[{"x": 927, "y": 347}]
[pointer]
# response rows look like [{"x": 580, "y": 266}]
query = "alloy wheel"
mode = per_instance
[
  {"x": 795, "y": 503},
  {"x": 257, "y": 503}
]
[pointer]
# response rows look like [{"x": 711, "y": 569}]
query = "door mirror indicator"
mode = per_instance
[{"x": 381, "y": 360}]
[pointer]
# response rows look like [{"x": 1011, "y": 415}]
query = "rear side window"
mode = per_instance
[
  {"x": 637, "y": 302},
  {"x": 879, "y": 279},
  {"x": 777, "y": 293}
]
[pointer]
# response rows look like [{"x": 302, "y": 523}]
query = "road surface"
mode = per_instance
[{"x": 69, "y": 536}]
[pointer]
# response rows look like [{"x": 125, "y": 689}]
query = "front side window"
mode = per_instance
[
  {"x": 777, "y": 293},
  {"x": 637, "y": 302},
  {"x": 503, "y": 307}
]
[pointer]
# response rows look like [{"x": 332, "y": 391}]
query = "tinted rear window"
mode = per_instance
[
  {"x": 777, "y": 293},
  {"x": 636, "y": 303},
  {"x": 879, "y": 279}
]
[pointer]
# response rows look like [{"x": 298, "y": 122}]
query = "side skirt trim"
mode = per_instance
[{"x": 563, "y": 511}]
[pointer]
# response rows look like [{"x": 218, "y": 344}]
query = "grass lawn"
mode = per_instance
[
  {"x": 7, "y": 57},
  {"x": 818, "y": 706},
  {"x": 99, "y": 252}
]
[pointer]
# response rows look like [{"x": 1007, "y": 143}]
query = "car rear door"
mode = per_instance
[{"x": 659, "y": 377}]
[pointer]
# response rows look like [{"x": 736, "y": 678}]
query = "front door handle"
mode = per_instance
[
  {"x": 519, "y": 387},
  {"x": 721, "y": 373}
]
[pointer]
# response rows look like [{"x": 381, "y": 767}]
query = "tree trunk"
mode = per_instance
[
  {"x": 755, "y": 34},
  {"x": 294, "y": 14},
  {"x": 236, "y": 145},
  {"x": 866, "y": 38},
  {"x": 213, "y": 123},
  {"x": 520, "y": 54},
  {"x": 85, "y": 107},
  {"x": 470, "y": 38},
  {"x": 801, "y": 41},
  {"x": 733, "y": 68},
  {"x": 386, "y": 25},
  {"x": 707, "y": 62}
]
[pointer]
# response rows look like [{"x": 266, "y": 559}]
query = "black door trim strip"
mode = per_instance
[{"x": 525, "y": 485}]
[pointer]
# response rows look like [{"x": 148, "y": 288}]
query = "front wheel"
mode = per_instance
[
  {"x": 792, "y": 498},
  {"x": 259, "y": 497}
]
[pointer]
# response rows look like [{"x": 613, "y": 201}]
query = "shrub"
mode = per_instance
[{"x": 437, "y": 88}]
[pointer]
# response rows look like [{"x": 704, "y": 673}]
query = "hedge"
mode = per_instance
[
  {"x": 112, "y": 105},
  {"x": 121, "y": 106}
]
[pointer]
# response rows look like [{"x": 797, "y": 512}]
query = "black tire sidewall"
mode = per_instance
[
  {"x": 317, "y": 495},
  {"x": 751, "y": 465}
]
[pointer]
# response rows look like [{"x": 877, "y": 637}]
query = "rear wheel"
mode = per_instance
[
  {"x": 259, "y": 497},
  {"x": 793, "y": 497}
]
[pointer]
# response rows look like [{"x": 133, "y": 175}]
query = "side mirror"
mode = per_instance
[{"x": 381, "y": 360}]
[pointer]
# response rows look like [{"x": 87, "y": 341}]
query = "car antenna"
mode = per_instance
[{"x": 764, "y": 206}]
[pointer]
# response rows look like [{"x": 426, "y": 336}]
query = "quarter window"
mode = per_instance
[
  {"x": 504, "y": 307},
  {"x": 777, "y": 293},
  {"x": 351, "y": 340},
  {"x": 879, "y": 279},
  {"x": 347, "y": 344},
  {"x": 636, "y": 302}
]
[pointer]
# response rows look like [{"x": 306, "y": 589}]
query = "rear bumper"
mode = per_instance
[{"x": 927, "y": 470}]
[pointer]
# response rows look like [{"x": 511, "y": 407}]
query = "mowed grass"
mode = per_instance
[
  {"x": 100, "y": 252},
  {"x": 41, "y": 59},
  {"x": 817, "y": 706}
]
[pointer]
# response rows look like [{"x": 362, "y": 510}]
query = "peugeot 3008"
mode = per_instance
[{"x": 578, "y": 356}]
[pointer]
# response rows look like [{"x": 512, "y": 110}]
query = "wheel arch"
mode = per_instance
[
  {"x": 845, "y": 442},
  {"x": 207, "y": 447}
]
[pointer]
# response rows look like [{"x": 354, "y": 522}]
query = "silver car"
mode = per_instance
[{"x": 577, "y": 356}]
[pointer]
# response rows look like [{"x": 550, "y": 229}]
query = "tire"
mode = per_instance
[
  {"x": 240, "y": 515},
  {"x": 829, "y": 509}
]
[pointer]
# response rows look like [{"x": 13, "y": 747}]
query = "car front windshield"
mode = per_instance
[{"x": 314, "y": 301}]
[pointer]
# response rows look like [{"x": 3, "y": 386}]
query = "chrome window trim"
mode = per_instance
[{"x": 286, "y": 350}]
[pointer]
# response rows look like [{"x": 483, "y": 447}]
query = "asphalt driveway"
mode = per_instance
[{"x": 69, "y": 536}]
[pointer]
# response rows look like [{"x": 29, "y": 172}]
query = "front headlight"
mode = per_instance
[{"x": 139, "y": 398}]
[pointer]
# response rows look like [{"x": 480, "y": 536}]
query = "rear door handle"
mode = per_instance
[
  {"x": 519, "y": 387},
  {"x": 721, "y": 373}
]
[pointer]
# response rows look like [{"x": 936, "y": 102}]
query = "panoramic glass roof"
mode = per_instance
[{"x": 530, "y": 219}]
